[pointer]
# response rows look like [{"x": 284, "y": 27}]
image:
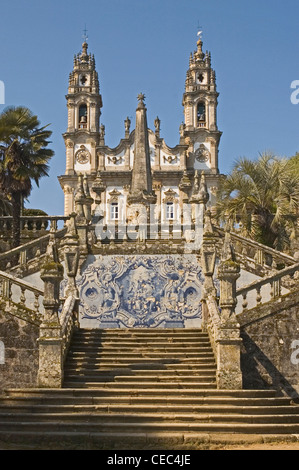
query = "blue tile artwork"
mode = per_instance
[{"x": 156, "y": 291}]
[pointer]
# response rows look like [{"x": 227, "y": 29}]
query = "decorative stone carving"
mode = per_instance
[
  {"x": 170, "y": 159},
  {"x": 115, "y": 160}
]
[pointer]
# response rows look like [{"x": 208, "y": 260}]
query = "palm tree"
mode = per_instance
[
  {"x": 263, "y": 196},
  {"x": 23, "y": 158}
]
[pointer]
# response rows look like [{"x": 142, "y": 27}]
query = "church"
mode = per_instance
[
  {"x": 142, "y": 168},
  {"x": 141, "y": 323}
]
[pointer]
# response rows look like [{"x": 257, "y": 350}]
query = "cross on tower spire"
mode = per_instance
[{"x": 85, "y": 37}]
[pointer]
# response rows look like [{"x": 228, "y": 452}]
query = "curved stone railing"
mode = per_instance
[
  {"x": 213, "y": 320},
  {"x": 256, "y": 255},
  {"x": 34, "y": 223},
  {"x": 21, "y": 294},
  {"x": 68, "y": 320},
  {"x": 268, "y": 288},
  {"x": 31, "y": 251}
]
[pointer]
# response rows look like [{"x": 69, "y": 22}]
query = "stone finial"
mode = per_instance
[
  {"x": 185, "y": 182},
  {"x": 98, "y": 187},
  {"x": 88, "y": 200},
  {"x": 79, "y": 197},
  {"x": 102, "y": 134},
  {"x": 228, "y": 273},
  {"x": 200, "y": 193}
]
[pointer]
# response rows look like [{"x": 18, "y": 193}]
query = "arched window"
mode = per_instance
[
  {"x": 201, "y": 113},
  {"x": 83, "y": 116}
]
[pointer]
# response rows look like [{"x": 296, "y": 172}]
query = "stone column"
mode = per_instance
[
  {"x": 229, "y": 375},
  {"x": 50, "y": 372}
]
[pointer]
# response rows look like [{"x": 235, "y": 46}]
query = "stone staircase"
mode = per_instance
[{"x": 141, "y": 389}]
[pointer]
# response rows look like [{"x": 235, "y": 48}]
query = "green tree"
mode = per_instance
[
  {"x": 263, "y": 196},
  {"x": 24, "y": 158}
]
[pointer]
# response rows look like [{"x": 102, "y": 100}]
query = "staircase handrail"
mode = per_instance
[
  {"x": 67, "y": 320},
  {"x": 274, "y": 281},
  {"x": 275, "y": 254},
  {"x": 8, "y": 281},
  {"x": 38, "y": 242}
]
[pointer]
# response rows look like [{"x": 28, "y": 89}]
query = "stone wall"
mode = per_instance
[
  {"x": 18, "y": 352},
  {"x": 270, "y": 351}
]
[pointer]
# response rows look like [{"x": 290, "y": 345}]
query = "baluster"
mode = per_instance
[
  {"x": 244, "y": 303},
  {"x": 36, "y": 302},
  {"x": 43, "y": 225},
  {"x": 22, "y": 296},
  {"x": 34, "y": 226},
  {"x": 53, "y": 225},
  {"x": 6, "y": 290},
  {"x": 26, "y": 224},
  {"x": 258, "y": 295},
  {"x": 275, "y": 288},
  {"x": 23, "y": 257}
]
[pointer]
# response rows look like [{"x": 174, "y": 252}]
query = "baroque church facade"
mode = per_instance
[{"x": 142, "y": 170}]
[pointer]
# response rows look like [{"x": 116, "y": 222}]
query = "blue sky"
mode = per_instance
[{"x": 144, "y": 46}]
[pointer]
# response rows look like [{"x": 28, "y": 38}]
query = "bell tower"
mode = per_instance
[
  {"x": 84, "y": 103},
  {"x": 200, "y": 102}
]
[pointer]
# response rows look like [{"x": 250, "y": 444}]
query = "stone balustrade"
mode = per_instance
[
  {"x": 254, "y": 254},
  {"x": 21, "y": 293},
  {"x": 28, "y": 252},
  {"x": 34, "y": 223},
  {"x": 68, "y": 321},
  {"x": 268, "y": 288}
]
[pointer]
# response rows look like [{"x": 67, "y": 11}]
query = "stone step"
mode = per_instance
[
  {"x": 142, "y": 332},
  {"x": 33, "y": 408},
  {"x": 140, "y": 374},
  {"x": 202, "y": 394},
  {"x": 100, "y": 418},
  {"x": 148, "y": 366},
  {"x": 146, "y": 427},
  {"x": 91, "y": 348},
  {"x": 151, "y": 340},
  {"x": 140, "y": 401},
  {"x": 139, "y": 379},
  {"x": 141, "y": 356},
  {"x": 142, "y": 387}
]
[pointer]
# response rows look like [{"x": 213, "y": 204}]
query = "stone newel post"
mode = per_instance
[
  {"x": 50, "y": 341},
  {"x": 208, "y": 260},
  {"x": 228, "y": 341}
]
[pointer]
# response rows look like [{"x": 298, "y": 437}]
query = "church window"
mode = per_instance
[
  {"x": 114, "y": 214},
  {"x": 169, "y": 211},
  {"x": 201, "y": 112},
  {"x": 83, "y": 116}
]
